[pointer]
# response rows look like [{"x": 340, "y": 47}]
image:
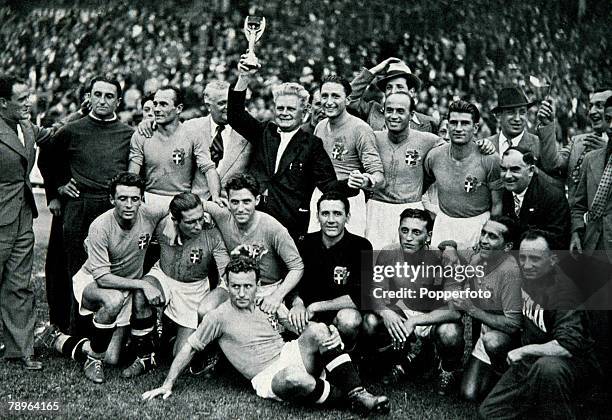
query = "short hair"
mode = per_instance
[
  {"x": 608, "y": 102},
  {"x": 179, "y": 98},
  {"x": 511, "y": 234},
  {"x": 290, "y": 88},
  {"x": 242, "y": 181},
  {"x": 334, "y": 196},
  {"x": 534, "y": 234},
  {"x": 412, "y": 103},
  {"x": 241, "y": 263},
  {"x": 418, "y": 214},
  {"x": 106, "y": 78},
  {"x": 183, "y": 202},
  {"x": 6, "y": 85},
  {"x": 312, "y": 92},
  {"x": 145, "y": 99},
  {"x": 215, "y": 85},
  {"x": 528, "y": 156},
  {"x": 339, "y": 80},
  {"x": 127, "y": 179},
  {"x": 465, "y": 107}
]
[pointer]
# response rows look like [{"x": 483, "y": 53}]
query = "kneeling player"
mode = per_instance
[
  {"x": 109, "y": 284},
  {"x": 182, "y": 270},
  {"x": 250, "y": 340},
  {"x": 499, "y": 314},
  {"x": 415, "y": 317},
  {"x": 330, "y": 291}
]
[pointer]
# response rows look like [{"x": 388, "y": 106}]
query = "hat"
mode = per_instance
[
  {"x": 399, "y": 69},
  {"x": 511, "y": 97}
]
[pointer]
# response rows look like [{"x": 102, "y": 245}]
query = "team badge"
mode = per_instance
[
  {"x": 338, "y": 151},
  {"x": 470, "y": 183},
  {"x": 178, "y": 156},
  {"x": 341, "y": 275},
  {"x": 412, "y": 157},
  {"x": 143, "y": 240},
  {"x": 195, "y": 256},
  {"x": 272, "y": 319}
]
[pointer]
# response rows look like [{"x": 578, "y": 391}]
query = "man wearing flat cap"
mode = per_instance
[
  {"x": 397, "y": 77},
  {"x": 511, "y": 112}
]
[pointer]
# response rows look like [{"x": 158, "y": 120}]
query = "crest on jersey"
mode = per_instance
[
  {"x": 178, "y": 156},
  {"x": 338, "y": 151},
  {"x": 341, "y": 275},
  {"x": 273, "y": 320},
  {"x": 412, "y": 157},
  {"x": 195, "y": 256},
  {"x": 143, "y": 240},
  {"x": 470, "y": 183}
]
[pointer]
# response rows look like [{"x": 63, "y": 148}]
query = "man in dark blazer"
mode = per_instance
[
  {"x": 288, "y": 162},
  {"x": 511, "y": 112},
  {"x": 532, "y": 197},
  {"x": 17, "y": 209},
  {"x": 396, "y": 77}
]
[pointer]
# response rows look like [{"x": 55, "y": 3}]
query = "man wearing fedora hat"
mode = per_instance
[
  {"x": 397, "y": 77},
  {"x": 511, "y": 112}
]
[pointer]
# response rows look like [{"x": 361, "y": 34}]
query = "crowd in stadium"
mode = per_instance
[{"x": 206, "y": 201}]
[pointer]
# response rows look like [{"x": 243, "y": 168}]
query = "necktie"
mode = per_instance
[
  {"x": 576, "y": 170},
  {"x": 517, "y": 204},
  {"x": 602, "y": 194},
  {"x": 216, "y": 148}
]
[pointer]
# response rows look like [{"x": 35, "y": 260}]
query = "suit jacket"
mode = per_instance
[
  {"x": 236, "y": 154},
  {"x": 544, "y": 207},
  {"x": 16, "y": 163},
  {"x": 596, "y": 235},
  {"x": 371, "y": 111},
  {"x": 304, "y": 165},
  {"x": 544, "y": 148}
]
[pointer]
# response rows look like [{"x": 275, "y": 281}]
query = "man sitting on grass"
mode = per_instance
[{"x": 250, "y": 340}]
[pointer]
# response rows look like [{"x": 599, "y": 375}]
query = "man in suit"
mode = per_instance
[
  {"x": 531, "y": 197},
  {"x": 511, "y": 112},
  {"x": 287, "y": 161},
  {"x": 229, "y": 150},
  {"x": 397, "y": 77},
  {"x": 567, "y": 162},
  {"x": 17, "y": 209}
]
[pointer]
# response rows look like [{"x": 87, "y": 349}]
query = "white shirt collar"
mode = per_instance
[
  {"x": 286, "y": 135},
  {"x": 93, "y": 117},
  {"x": 513, "y": 141}
]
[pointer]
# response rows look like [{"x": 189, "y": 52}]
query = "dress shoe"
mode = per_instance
[{"x": 30, "y": 363}]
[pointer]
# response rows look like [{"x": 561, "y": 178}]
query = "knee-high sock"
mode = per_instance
[
  {"x": 101, "y": 337},
  {"x": 341, "y": 371},
  {"x": 71, "y": 346},
  {"x": 324, "y": 392},
  {"x": 143, "y": 332}
]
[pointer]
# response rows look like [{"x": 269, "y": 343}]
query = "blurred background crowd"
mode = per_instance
[{"x": 457, "y": 48}]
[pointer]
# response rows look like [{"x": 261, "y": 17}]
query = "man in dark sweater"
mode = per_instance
[
  {"x": 330, "y": 291},
  {"x": 556, "y": 357},
  {"x": 93, "y": 150}
]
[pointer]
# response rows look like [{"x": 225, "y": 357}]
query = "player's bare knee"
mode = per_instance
[
  {"x": 450, "y": 334},
  {"x": 495, "y": 343},
  {"x": 292, "y": 382},
  {"x": 317, "y": 332},
  {"x": 348, "y": 320},
  {"x": 112, "y": 303},
  {"x": 370, "y": 324}
]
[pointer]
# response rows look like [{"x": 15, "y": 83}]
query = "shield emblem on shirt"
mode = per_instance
[
  {"x": 143, "y": 240},
  {"x": 195, "y": 256},
  {"x": 178, "y": 156},
  {"x": 338, "y": 151},
  {"x": 412, "y": 157},
  {"x": 470, "y": 183},
  {"x": 341, "y": 275}
]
